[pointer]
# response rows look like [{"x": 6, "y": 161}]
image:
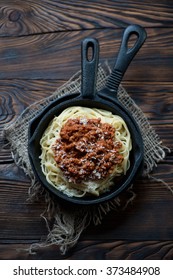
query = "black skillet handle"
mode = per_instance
[
  {"x": 125, "y": 55},
  {"x": 89, "y": 66}
]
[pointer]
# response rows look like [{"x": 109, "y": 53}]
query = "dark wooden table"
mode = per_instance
[{"x": 39, "y": 51}]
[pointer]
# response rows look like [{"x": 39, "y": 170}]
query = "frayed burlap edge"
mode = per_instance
[{"x": 67, "y": 226}]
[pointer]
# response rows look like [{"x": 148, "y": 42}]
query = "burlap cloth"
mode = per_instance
[{"x": 65, "y": 224}]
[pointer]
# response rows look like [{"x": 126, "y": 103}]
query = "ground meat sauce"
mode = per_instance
[{"x": 86, "y": 150}]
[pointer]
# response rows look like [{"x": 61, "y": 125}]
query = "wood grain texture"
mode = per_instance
[
  {"x": 94, "y": 250},
  {"x": 141, "y": 218},
  {"x": 47, "y": 56},
  {"x": 16, "y": 209},
  {"x": 16, "y": 95},
  {"x": 123, "y": 250},
  {"x": 39, "y": 51},
  {"x": 20, "y": 18}
]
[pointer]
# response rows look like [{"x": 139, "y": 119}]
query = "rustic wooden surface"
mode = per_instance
[{"x": 39, "y": 51}]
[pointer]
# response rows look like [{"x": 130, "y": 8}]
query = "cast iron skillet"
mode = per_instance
[{"x": 105, "y": 99}]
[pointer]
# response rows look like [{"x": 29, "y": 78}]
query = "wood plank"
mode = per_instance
[
  {"x": 33, "y": 66},
  {"x": 123, "y": 250},
  {"x": 87, "y": 250},
  {"x": 32, "y": 17},
  {"x": 155, "y": 100},
  {"x": 19, "y": 218},
  {"x": 15, "y": 96},
  {"x": 57, "y": 56},
  {"x": 151, "y": 209}
]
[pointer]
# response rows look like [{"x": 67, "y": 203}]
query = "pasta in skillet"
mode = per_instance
[{"x": 83, "y": 150}]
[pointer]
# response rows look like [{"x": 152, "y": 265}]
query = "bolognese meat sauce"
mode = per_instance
[{"x": 86, "y": 150}]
